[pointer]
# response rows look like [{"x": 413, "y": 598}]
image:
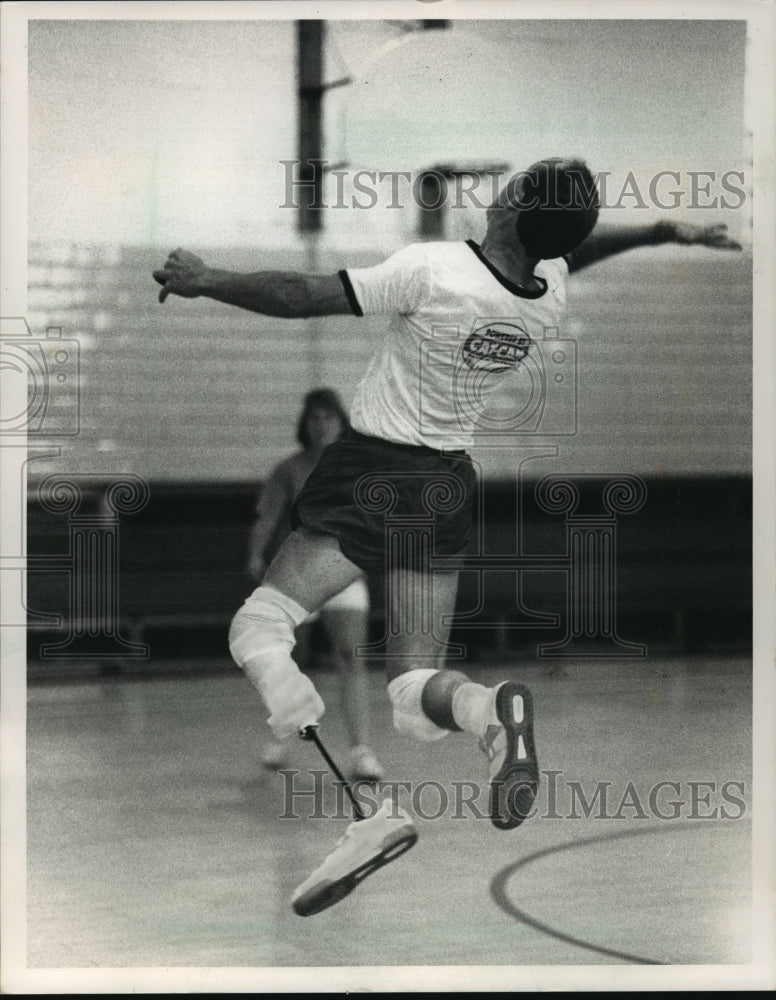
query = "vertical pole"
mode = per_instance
[
  {"x": 310, "y": 38},
  {"x": 310, "y": 35}
]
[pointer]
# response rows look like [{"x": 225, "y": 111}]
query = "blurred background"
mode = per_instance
[{"x": 180, "y": 133}]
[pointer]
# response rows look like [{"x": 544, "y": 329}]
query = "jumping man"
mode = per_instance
[{"x": 408, "y": 432}]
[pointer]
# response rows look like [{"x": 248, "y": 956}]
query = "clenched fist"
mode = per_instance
[{"x": 181, "y": 275}]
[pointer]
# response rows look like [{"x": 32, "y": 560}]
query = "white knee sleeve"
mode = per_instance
[
  {"x": 262, "y": 632},
  {"x": 405, "y": 692}
]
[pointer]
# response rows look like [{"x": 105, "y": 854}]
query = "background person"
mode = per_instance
[{"x": 345, "y": 617}]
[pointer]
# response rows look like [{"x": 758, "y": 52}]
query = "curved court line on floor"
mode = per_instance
[{"x": 498, "y": 891}]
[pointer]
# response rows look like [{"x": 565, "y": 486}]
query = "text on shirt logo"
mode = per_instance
[{"x": 496, "y": 348}]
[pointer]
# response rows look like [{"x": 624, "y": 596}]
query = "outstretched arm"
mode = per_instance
[
  {"x": 287, "y": 294},
  {"x": 605, "y": 241}
]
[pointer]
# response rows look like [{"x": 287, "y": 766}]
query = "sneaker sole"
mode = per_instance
[
  {"x": 327, "y": 893},
  {"x": 515, "y": 787}
]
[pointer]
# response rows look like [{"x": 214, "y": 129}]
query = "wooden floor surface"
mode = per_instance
[{"x": 156, "y": 840}]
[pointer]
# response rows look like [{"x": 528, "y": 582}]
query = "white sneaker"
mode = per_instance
[
  {"x": 367, "y": 845},
  {"x": 364, "y": 766},
  {"x": 514, "y": 769}
]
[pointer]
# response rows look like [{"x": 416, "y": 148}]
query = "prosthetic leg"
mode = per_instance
[{"x": 367, "y": 845}]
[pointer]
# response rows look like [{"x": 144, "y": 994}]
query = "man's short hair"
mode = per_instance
[{"x": 557, "y": 202}]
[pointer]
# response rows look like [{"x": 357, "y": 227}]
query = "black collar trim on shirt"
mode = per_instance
[
  {"x": 509, "y": 285},
  {"x": 350, "y": 293}
]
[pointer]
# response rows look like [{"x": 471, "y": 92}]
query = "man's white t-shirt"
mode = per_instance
[{"x": 457, "y": 328}]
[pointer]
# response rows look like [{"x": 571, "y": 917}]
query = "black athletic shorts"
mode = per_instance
[{"x": 363, "y": 487}]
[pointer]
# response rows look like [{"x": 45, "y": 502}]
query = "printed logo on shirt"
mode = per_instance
[{"x": 496, "y": 347}]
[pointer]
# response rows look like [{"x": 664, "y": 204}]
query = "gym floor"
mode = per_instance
[{"x": 156, "y": 840}]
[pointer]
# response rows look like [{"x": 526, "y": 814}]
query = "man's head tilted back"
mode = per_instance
[{"x": 551, "y": 207}]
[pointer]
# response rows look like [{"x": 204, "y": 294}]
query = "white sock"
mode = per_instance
[{"x": 474, "y": 707}]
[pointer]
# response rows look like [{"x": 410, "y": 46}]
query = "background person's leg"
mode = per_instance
[{"x": 347, "y": 629}]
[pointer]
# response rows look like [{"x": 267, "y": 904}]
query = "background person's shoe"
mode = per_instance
[
  {"x": 364, "y": 765},
  {"x": 274, "y": 755}
]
